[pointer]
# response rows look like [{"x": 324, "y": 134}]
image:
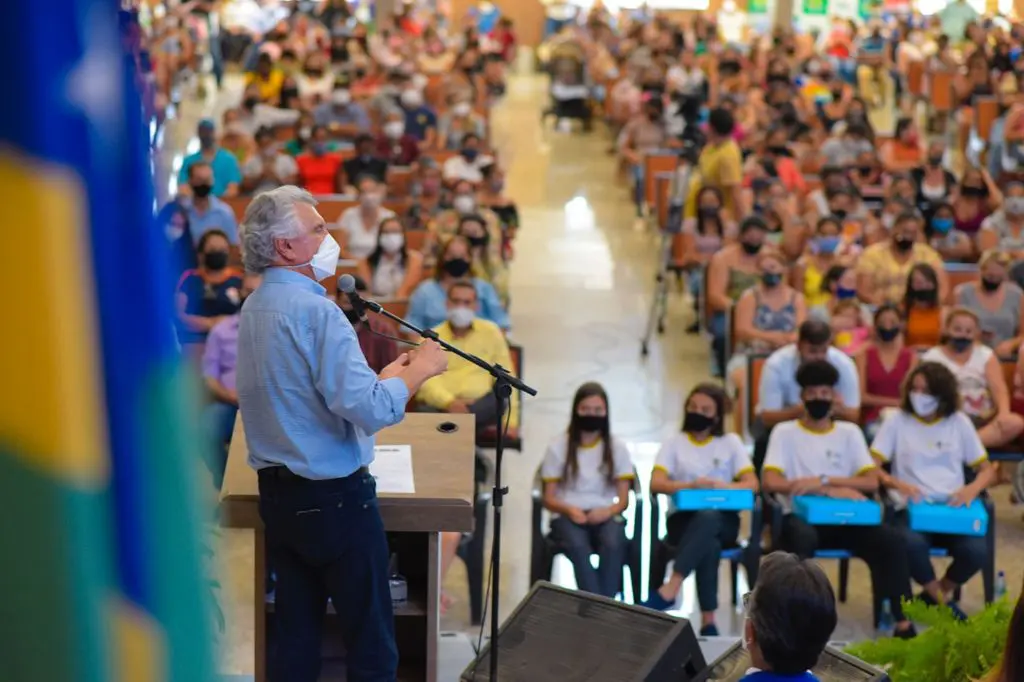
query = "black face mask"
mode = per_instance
[
  {"x": 751, "y": 249},
  {"x": 202, "y": 190},
  {"x": 818, "y": 409},
  {"x": 477, "y": 241},
  {"x": 839, "y": 213},
  {"x": 592, "y": 422},
  {"x": 904, "y": 244},
  {"x": 923, "y": 295},
  {"x": 865, "y": 170},
  {"x": 935, "y": 161},
  {"x": 215, "y": 260},
  {"x": 975, "y": 192},
  {"x": 288, "y": 94},
  {"x": 456, "y": 267},
  {"x": 959, "y": 343},
  {"x": 778, "y": 150},
  {"x": 887, "y": 333},
  {"x": 695, "y": 422},
  {"x": 352, "y": 316},
  {"x": 250, "y": 102},
  {"x": 707, "y": 211},
  {"x": 771, "y": 279},
  {"x": 990, "y": 284}
]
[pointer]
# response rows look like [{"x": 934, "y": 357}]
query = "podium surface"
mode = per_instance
[{"x": 443, "y": 501}]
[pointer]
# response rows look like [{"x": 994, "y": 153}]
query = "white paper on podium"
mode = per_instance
[{"x": 392, "y": 467}]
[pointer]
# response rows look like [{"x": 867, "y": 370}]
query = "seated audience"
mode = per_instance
[
  {"x": 428, "y": 305},
  {"x": 702, "y": 456},
  {"x": 372, "y": 332},
  {"x": 816, "y": 455},
  {"x": 205, "y": 211},
  {"x": 394, "y": 144},
  {"x": 906, "y": 150},
  {"x": 319, "y": 168},
  {"x": 975, "y": 200},
  {"x": 468, "y": 164},
  {"x": 460, "y": 121},
  {"x": 809, "y": 273},
  {"x": 849, "y": 333},
  {"x": 645, "y": 133},
  {"x": 883, "y": 268},
  {"x": 344, "y": 117},
  {"x": 360, "y": 224},
  {"x": 365, "y": 162},
  {"x": 392, "y": 269},
  {"x": 254, "y": 114},
  {"x": 209, "y": 293},
  {"x": 420, "y": 119},
  {"x": 220, "y": 355},
  {"x": 492, "y": 196},
  {"x": 465, "y": 388},
  {"x": 464, "y": 202},
  {"x": 922, "y": 308},
  {"x": 268, "y": 167},
  {"x": 929, "y": 442},
  {"x": 883, "y": 365},
  {"x": 790, "y": 617},
  {"x": 951, "y": 243},
  {"x": 1004, "y": 229},
  {"x": 986, "y": 397},
  {"x": 487, "y": 262},
  {"x": 998, "y": 303},
  {"x": 224, "y": 167},
  {"x": 266, "y": 77},
  {"x": 173, "y": 218},
  {"x": 587, "y": 474},
  {"x": 427, "y": 192}
]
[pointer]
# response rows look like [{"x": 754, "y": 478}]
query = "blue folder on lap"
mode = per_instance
[
  {"x": 938, "y": 517},
  {"x": 725, "y": 500},
  {"x": 827, "y": 511}
]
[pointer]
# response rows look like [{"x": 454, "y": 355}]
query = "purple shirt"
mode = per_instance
[{"x": 221, "y": 354}]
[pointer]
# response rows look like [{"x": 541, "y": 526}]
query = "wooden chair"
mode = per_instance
[
  {"x": 396, "y": 306},
  {"x": 416, "y": 240},
  {"x": 439, "y": 156},
  {"x": 399, "y": 181},
  {"x": 663, "y": 161},
  {"x": 755, "y": 365},
  {"x": 662, "y": 197},
  {"x": 986, "y": 111},
  {"x": 960, "y": 273},
  {"x": 943, "y": 100}
]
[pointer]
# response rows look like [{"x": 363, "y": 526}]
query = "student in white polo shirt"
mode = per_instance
[
  {"x": 818, "y": 455},
  {"x": 702, "y": 456},
  {"x": 930, "y": 442},
  {"x": 587, "y": 473}
]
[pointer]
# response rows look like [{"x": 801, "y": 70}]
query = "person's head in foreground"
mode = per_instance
[
  {"x": 813, "y": 340},
  {"x": 931, "y": 392},
  {"x": 282, "y": 228},
  {"x": 790, "y": 615},
  {"x": 817, "y": 380},
  {"x": 705, "y": 410}
]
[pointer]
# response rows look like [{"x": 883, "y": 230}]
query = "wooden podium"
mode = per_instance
[{"x": 443, "y": 501}]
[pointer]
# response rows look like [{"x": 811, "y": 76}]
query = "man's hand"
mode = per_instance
[
  {"x": 908, "y": 490},
  {"x": 458, "y": 407},
  {"x": 845, "y": 494},
  {"x": 577, "y": 516},
  {"x": 231, "y": 397},
  {"x": 431, "y": 357},
  {"x": 599, "y": 515},
  {"x": 708, "y": 483},
  {"x": 962, "y": 497},
  {"x": 810, "y": 485},
  {"x": 395, "y": 368}
]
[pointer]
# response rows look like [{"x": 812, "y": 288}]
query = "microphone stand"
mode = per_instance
[{"x": 504, "y": 382}]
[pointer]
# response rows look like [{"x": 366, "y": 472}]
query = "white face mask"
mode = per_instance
[
  {"x": 412, "y": 98},
  {"x": 461, "y": 317},
  {"x": 464, "y": 203},
  {"x": 325, "y": 261},
  {"x": 461, "y": 109},
  {"x": 924, "y": 405},
  {"x": 394, "y": 129},
  {"x": 341, "y": 97},
  {"x": 392, "y": 242}
]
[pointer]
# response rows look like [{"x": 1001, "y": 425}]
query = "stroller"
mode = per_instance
[{"x": 570, "y": 87}]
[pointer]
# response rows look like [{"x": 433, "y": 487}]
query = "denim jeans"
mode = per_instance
[
  {"x": 607, "y": 540},
  {"x": 968, "y": 553},
  {"x": 219, "y": 423},
  {"x": 638, "y": 188},
  {"x": 699, "y": 538},
  {"x": 325, "y": 540},
  {"x": 718, "y": 343}
]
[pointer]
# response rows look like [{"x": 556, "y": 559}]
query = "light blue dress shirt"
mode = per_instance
[
  {"x": 428, "y": 305},
  {"x": 307, "y": 397},
  {"x": 778, "y": 388},
  {"x": 225, "y": 167}
]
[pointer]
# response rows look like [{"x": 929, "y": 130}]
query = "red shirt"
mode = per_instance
[
  {"x": 318, "y": 174},
  {"x": 401, "y": 152}
]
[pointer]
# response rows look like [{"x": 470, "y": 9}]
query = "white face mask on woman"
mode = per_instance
[{"x": 392, "y": 242}]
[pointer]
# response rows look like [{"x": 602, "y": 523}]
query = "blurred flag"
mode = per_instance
[{"x": 100, "y": 577}]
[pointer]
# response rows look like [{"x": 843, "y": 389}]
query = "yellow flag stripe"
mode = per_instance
[
  {"x": 51, "y": 403},
  {"x": 138, "y": 642}
]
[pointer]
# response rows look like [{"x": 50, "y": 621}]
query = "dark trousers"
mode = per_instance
[
  {"x": 607, "y": 540},
  {"x": 219, "y": 422},
  {"x": 485, "y": 409},
  {"x": 325, "y": 540},
  {"x": 968, "y": 553},
  {"x": 883, "y": 548},
  {"x": 699, "y": 537}
]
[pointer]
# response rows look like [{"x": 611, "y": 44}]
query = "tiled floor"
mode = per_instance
[{"x": 582, "y": 283}]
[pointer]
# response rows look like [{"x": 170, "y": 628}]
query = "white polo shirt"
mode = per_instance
[
  {"x": 930, "y": 455},
  {"x": 589, "y": 488},
  {"x": 686, "y": 459},
  {"x": 797, "y": 452}
]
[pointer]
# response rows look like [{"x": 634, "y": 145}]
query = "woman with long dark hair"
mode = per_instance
[
  {"x": 392, "y": 269},
  {"x": 587, "y": 473},
  {"x": 702, "y": 456},
  {"x": 922, "y": 308}
]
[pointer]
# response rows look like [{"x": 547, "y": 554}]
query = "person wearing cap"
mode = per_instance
[
  {"x": 344, "y": 117},
  {"x": 227, "y": 174}
]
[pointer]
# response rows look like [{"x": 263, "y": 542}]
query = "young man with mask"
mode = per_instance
[
  {"x": 394, "y": 144},
  {"x": 420, "y": 120},
  {"x": 815, "y": 454},
  {"x": 227, "y": 174},
  {"x": 312, "y": 444},
  {"x": 468, "y": 163},
  {"x": 205, "y": 211},
  {"x": 883, "y": 268},
  {"x": 372, "y": 332}
]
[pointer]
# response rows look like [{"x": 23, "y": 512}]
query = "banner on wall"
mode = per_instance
[
  {"x": 816, "y": 8},
  {"x": 757, "y": 6}
]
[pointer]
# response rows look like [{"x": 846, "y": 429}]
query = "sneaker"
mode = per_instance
[
  {"x": 710, "y": 630},
  {"x": 958, "y": 612},
  {"x": 657, "y": 603}
]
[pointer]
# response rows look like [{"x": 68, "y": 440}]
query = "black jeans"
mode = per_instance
[
  {"x": 883, "y": 548},
  {"x": 607, "y": 540},
  {"x": 969, "y": 553},
  {"x": 699, "y": 537},
  {"x": 325, "y": 540}
]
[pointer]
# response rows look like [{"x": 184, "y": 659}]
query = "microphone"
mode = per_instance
[{"x": 347, "y": 286}]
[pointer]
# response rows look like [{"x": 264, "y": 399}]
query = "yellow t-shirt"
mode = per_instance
[
  {"x": 270, "y": 89},
  {"x": 889, "y": 276},
  {"x": 813, "y": 294},
  {"x": 719, "y": 166}
]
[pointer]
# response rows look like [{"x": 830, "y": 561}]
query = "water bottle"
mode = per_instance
[
  {"x": 1000, "y": 586},
  {"x": 399, "y": 588},
  {"x": 886, "y": 622}
]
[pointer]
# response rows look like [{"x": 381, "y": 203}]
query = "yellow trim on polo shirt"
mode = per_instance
[
  {"x": 830, "y": 429},
  {"x": 741, "y": 472},
  {"x": 659, "y": 466},
  {"x": 879, "y": 455},
  {"x": 928, "y": 422},
  {"x": 774, "y": 468},
  {"x": 624, "y": 477},
  {"x": 981, "y": 460},
  {"x": 593, "y": 445},
  {"x": 551, "y": 480},
  {"x": 865, "y": 469},
  {"x": 699, "y": 443}
]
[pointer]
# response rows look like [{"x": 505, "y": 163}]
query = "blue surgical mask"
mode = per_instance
[
  {"x": 826, "y": 245},
  {"x": 942, "y": 225},
  {"x": 842, "y": 293}
]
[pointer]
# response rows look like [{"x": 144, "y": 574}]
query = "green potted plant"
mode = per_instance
[{"x": 948, "y": 650}]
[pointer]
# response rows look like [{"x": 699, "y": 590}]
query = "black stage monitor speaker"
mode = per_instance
[
  {"x": 559, "y": 635},
  {"x": 833, "y": 666}
]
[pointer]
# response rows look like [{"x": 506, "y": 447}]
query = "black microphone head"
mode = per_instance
[{"x": 347, "y": 284}]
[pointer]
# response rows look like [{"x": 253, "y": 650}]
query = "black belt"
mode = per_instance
[{"x": 283, "y": 473}]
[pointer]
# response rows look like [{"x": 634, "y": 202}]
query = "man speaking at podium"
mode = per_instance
[{"x": 310, "y": 406}]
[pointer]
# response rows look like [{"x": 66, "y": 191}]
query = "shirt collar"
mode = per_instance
[{"x": 281, "y": 275}]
